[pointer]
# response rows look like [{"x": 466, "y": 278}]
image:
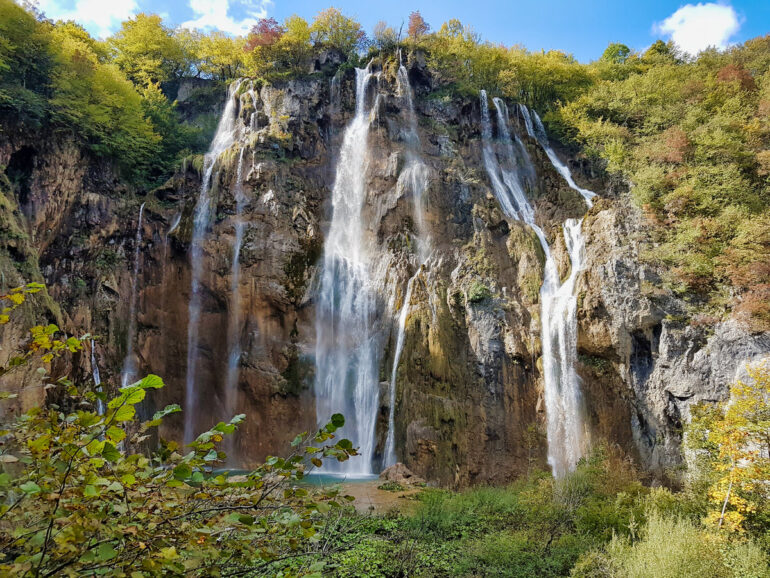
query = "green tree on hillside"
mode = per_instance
[{"x": 146, "y": 50}]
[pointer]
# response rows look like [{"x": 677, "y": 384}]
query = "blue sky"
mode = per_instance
[{"x": 581, "y": 28}]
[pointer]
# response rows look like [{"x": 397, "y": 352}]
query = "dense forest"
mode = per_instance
[{"x": 689, "y": 137}]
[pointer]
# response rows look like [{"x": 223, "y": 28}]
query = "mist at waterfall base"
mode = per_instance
[{"x": 566, "y": 430}]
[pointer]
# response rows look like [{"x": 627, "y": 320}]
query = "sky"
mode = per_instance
[{"x": 580, "y": 28}]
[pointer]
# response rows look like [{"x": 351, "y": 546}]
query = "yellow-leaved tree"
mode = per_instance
[{"x": 733, "y": 441}]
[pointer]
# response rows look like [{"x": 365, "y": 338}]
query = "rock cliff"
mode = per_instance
[{"x": 469, "y": 386}]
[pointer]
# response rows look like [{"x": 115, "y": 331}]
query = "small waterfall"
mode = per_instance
[
  {"x": 536, "y": 130},
  {"x": 100, "y": 407},
  {"x": 254, "y": 120},
  {"x": 129, "y": 363},
  {"x": 567, "y": 437},
  {"x": 390, "y": 442},
  {"x": 347, "y": 348},
  {"x": 224, "y": 137},
  {"x": 414, "y": 178},
  {"x": 234, "y": 323}
]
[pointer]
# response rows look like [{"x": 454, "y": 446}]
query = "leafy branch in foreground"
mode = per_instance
[{"x": 75, "y": 501}]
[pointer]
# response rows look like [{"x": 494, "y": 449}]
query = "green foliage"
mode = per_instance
[
  {"x": 146, "y": 50},
  {"x": 690, "y": 136},
  {"x": 332, "y": 29},
  {"x": 674, "y": 548},
  {"x": 478, "y": 292},
  {"x": 74, "y": 500}
]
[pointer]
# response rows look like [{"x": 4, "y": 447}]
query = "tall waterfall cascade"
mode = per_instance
[
  {"x": 128, "y": 373},
  {"x": 347, "y": 348},
  {"x": 226, "y": 134},
  {"x": 566, "y": 430}
]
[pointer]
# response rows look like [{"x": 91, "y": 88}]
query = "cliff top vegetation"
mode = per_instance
[{"x": 689, "y": 135}]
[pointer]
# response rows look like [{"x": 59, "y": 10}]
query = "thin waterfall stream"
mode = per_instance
[
  {"x": 567, "y": 437},
  {"x": 234, "y": 323},
  {"x": 224, "y": 137},
  {"x": 128, "y": 372},
  {"x": 415, "y": 179}
]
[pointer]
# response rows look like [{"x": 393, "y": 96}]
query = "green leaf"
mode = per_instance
[
  {"x": 115, "y": 434},
  {"x": 338, "y": 420},
  {"x": 110, "y": 452},
  {"x": 125, "y": 413},
  {"x": 182, "y": 472},
  {"x": 30, "y": 488},
  {"x": 168, "y": 410},
  {"x": 105, "y": 552},
  {"x": 151, "y": 382},
  {"x": 90, "y": 491},
  {"x": 211, "y": 456}
]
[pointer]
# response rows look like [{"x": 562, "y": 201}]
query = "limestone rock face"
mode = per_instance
[{"x": 469, "y": 386}]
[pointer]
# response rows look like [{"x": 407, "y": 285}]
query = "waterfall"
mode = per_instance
[
  {"x": 414, "y": 179},
  {"x": 234, "y": 323},
  {"x": 100, "y": 407},
  {"x": 347, "y": 351},
  {"x": 390, "y": 442},
  {"x": 129, "y": 363},
  {"x": 254, "y": 120},
  {"x": 567, "y": 438},
  {"x": 223, "y": 139},
  {"x": 536, "y": 130}
]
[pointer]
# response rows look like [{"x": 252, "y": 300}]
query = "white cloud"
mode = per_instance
[
  {"x": 99, "y": 17},
  {"x": 216, "y": 15},
  {"x": 695, "y": 27}
]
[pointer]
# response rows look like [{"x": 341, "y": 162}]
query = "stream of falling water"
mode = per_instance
[
  {"x": 223, "y": 139},
  {"x": 567, "y": 437},
  {"x": 347, "y": 351},
  {"x": 128, "y": 372},
  {"x": 100, "y": 407},
  {"x": 234, "y": 323},
  {"x": 414, "y": 179}
]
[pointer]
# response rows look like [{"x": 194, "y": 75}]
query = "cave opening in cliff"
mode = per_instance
[{"x": 19, "y": 172}]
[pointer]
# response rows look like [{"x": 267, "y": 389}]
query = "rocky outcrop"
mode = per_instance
[{"x": 651, "y": 352}]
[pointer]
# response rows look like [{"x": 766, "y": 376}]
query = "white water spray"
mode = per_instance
[
  {"x": 347, "y": 348},
  {"x": 129, "y": 363},
  {"x": 234, "y": 323},
  {"x": 567, "y": 436},
  {"x": 225, "y": 136},
  {"x": 536, "y": 130}
]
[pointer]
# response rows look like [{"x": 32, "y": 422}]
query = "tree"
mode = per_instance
[
  {"x": 417, "y": 26},
  {"x": 266, "y": 32},
  {"x": 332, "y": 29},
  {"x": 220, "y": 56},
  {"x": 146, "y": 50},
  {"x": 385, "y": 37},
  {"x": 75, "y": 501},
  {"x": 733, "y": 441},
  {"x": 616, "y": 53}
]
